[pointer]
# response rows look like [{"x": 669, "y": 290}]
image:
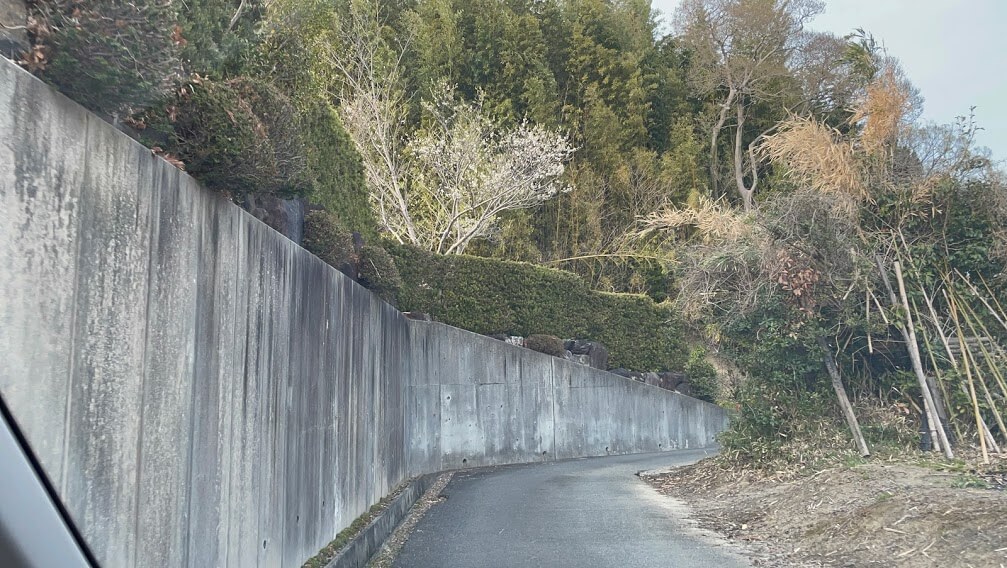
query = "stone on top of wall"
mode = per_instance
[{"x": 13, "y": 35}]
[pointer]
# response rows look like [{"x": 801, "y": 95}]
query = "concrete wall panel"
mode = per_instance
[
  {"x": 109, "y": 336},
  {"x": 42, "y": 169},
  {"x": 167, "y": 378},
  {"x": 206, "y": 393}
]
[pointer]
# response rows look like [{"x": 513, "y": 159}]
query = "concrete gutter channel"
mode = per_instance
[{"x": 369, "y": 540}]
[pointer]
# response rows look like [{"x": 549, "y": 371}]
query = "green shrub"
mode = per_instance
[
  {"x": 108, "y": 55},
  {"x": 240, "y": 136},
  {"x": 337, "y": 171},
  {"x": 702, "y": 375},
  {"x": 371, "y": 265},
  {"x": 490, "y": 296},
  {"x": 379, "y": 274},
  {"x": 325, "y": 238},
  {"x": 548, "y": 344}
]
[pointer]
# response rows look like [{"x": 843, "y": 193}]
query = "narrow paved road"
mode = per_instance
[{"x": 589, "y": 513}]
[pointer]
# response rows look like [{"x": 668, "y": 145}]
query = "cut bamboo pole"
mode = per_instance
[
  {"x": 940, "y": 330},
  {"x": 906, "y": 337},
  {"x": 971, "y": 316},
  {"x": 940, "y": 381},
  {"x": 975, "y": 292},
  {"x": 936, "y": 389},
  {"x": 975, "y": 363},
  {"x": 914, "y": 356},
  {"x": 984, "y": 430},
  {"x": 968, "y": 373},
  {"x": 844, "y": 401},
  {"x": 867, "y": 307},
  {"x": 880, "y": 309},
  {"x": 993, "y": 296}
]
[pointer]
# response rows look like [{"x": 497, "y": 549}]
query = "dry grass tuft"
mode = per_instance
[
  {"x": 815, "y": 155},
  {"x": 882, "y": 111},
  {"x": 708, "y": 220}
]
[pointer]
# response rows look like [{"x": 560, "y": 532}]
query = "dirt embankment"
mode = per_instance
[{"x": 876, "y": 514}]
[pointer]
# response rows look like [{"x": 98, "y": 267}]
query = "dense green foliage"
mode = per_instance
[
  {"x": 368, "y": 264},
  {"x": 379, "y": 273},
  {"x": 327, "y": 239},
  {"x": 548, "y": 344},
  {"x": 338, "y": 176},
  {"x": 491, "y": 296},
  {"x": 240, "y": 136},
  {"x": 702, "y": 376},
  {"x": 108, "y": 55}
]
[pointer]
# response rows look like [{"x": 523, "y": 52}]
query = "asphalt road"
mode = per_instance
[{"x": 588, "y": 513}]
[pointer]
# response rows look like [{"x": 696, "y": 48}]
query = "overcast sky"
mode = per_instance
[{"x": 955, "y": 52}]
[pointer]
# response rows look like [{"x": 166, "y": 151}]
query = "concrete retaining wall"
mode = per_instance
[
  {"x": 476, "y": 401},
  {"x": 204, "y": 392}
]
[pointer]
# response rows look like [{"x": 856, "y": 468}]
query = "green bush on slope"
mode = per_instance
[{"x": 491, "y": 296}]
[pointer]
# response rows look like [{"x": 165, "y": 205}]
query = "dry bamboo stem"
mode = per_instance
[
  {"x": 954, "y": 361},
  {"x": 914, "y": 356},
  {"x": 844, "y": 401},
  {"x": 968, "y": 373},
  {"x": 936, "y": 388},
  {"x": 992, "y": 296},
  {"x": 940, "y": 381},
  {"x": 867, "y": 307},
  {"x": 932, "y": 421},
  {"x": 880, "y": 309},
  {"x": 968, "y": 355},
  {"x": 970, "y": 317},
  {"x": 986, "y": 391},
  {"x": 940, "y": 330},
  {"x": 975, "y": 292}
]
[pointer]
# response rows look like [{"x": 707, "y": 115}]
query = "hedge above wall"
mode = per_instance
[{"x": 490, "y": 296}]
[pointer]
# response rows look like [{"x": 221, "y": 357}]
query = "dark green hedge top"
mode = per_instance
[{"x": 491, "y": 296}]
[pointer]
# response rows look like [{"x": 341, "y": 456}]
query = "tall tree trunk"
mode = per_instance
[
  {"x": 714, "y": 136},
  {"x": 744, "y": 191},
  {"x": 844, "y": 401}
]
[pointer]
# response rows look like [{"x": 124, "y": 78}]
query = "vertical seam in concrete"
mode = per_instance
[
  {"x": 72, "y": 364},
  {"x": 552, "y": 383},
  {"x": 151, "y": 243},
  {"x": 225, "y": 501},
  {"x": 198, "y": 238}
]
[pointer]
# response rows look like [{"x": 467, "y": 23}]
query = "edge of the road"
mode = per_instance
[{"x": 358, "y": 551}]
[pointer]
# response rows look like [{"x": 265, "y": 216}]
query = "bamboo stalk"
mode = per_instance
[
  {"x": 975, "y": 292},
  {"x": 940, "y": 381},
  {"x": 940, "y": 330},
  {"x": 986, "y": 392},
  {"x": 996, "y": 372},
  {"x": 914, "y": 356},
  {"x": 968, "y": 373},
  {"x": 844, "y": 401},
  {"x": 971, "y": 358},
  {"x": 985, "y": 430},
  {"x": 997, "y": 375},
  {"x": 936, "y": 389},
  {"x": 993, "y": 296},
  {"x": 880, "y": 309},
  {"x": 867, "y": 307},
  {"x": 933, "y": 422}
]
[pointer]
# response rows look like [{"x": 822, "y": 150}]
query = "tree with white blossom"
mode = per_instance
[
  {"x": 448, "y": 183},
  {"x": 466, "y": 171}
]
